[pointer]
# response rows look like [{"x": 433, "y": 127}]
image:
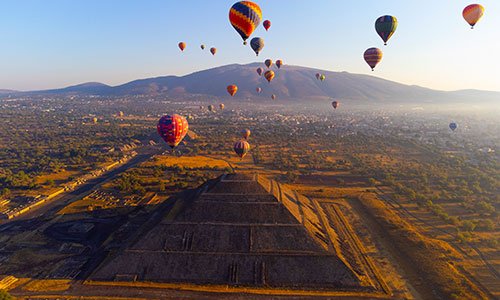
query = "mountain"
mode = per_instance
[{"x": 291, "y": 82}]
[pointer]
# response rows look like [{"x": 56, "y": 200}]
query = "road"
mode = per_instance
[{"x": 57, "y": 203}]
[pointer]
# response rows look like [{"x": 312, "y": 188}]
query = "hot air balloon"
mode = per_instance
[
  {"x": 182, "y": 46},
  {"x": 202, "y": 47},
  {"x": 385, "y": 27},
  {"x": 322, "y": 77},
  {"x": 318, "y": 76},
  {"x": 453, "y": 126},
  {"x": 172, "y": 129},
  {"x": 473, "y": 13},
  {"x": 372, "y": 57},
  {"x": 94, "y": 120},
  {"x": 201, "y": 107},
  {"x": 269, "y": 75},
  {"x": 245, "y": 16},
  {"x": 241, "y": 148},
  {"x": 213, "y": 50},
  {"x": 211, "y": 108},
  {"x": 335, "y": 104},
  {"x": 267, "y": 24},
  {"x": 259, "y": 71},
  {"x": 273, "y": 96},
  {"x": 121, "y": 114},
  {"x": 279, "y": 63},
  {"x": 257, "y": 45},
  {"x": 245, "y": 133},
  {"x": 258, "y": 90},
  {"x": 268, "y": 63},
  {"x": 232, "y": 89},
  {"x": 221, "y": 106}
]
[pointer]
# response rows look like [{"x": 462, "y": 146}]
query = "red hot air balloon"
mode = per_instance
[
  {"x": 245, "y": 16},
  {"x": 335, "y": 104},
  {"x": 245, "y": 133},
  {"x": 267, "y": 24},
  {"x": 258, "y": 90},
  {"x": 279, "y": 63},
  {"x": 259, "y": 71},
  {"x": 172, "y": 129},
  {"x": 473, "y": 13},
  {"x": 182, "y": 46},
  {"x": 213, "y": 50},
  {"x": 241, "y": 148},
  {"x": 232, "y": 89},
  {"x": 372, "y": 57},
  {"x": 269, "y": 75},
  {"x": 268, "y": 63},
  {"x": 273, "y": 96}
]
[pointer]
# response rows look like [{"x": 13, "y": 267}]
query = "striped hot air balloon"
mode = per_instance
[
  {"x": 172, "y": 129},
  {"x": 257, "y": 45},
  {"x": 372, "y": 57},
  {"x": 232, "y": 89},
  {"x": 245, "y": 16},
  {"x": 241, "y": 148},
  {"x": 268, "y": 63},
  {"x": 472, "y": 13},
  {"x": 385, "y": 27},
  {"x": 269, "y": 75}
]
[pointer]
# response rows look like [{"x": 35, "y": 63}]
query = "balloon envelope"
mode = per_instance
[
  {"x": 257, "y": 45},
  {"x": 259, "y": 71},
  {"x": 385, "y": 27},
  {"x": 372, "y": 57},
  {"x": 232, "y": 89},
  {"x": 322, "y": 77},
  {"x": 273, "y": 96},
  {"x": 241, "y": 148},
  {"x": 269, "y": 75},
  {"x": 172, "y": 129},
  {"x": 267, "y": 24},
  {"x": 335, "y": 104},
  {"x": 245, "y": 16},
  {"x": 279, "y": 63},
  {"x": 453, "y": 126},
  {"x": 211, "y": 108},
  {"x": 182, "y": 46},
  {"x": 202, "y": 47},
  {"x": 268, "y": 63},
  {"x": 473, "y": 13},
  {"x": 258, "y": 90},
  {"x": 221, "y": 106},
  {"x": 213, "y": 50},
  {"x": 245, "y": 133}
]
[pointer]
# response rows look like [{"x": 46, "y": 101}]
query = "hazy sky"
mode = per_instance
[{"x": 55, "y": 43}]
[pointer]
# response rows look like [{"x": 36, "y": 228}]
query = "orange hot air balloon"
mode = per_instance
[
  {"x": 221, "y": 106},
  {"x": 258, "y": 90},
  {"x": 269, "y": 75},
  {"x": 273, "y": 96},
  {"x": 232, "y": 89},
  {"x": 241, "y": 148},
  {"x": 245, "y": 133},
  {"x": 245, "y": 16},
  {"x": 182, "y": 46},
  {"x": 213, "y": 50},
  {"x": 267, "y": 24},
  {"x": 473, "y": 13},
  {"x": 259, "y": 71},
  {"x": 279, "y": 63},
  {"x": 268, "y": 63},
  {"x": 372, "y": 57}
]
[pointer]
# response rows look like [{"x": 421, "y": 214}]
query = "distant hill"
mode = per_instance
[{"x": 291, "y": 82}]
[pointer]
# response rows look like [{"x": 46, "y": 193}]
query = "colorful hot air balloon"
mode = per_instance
[
  {"x": 211, "y": 108},
  {"x": 259, "y": 71},
  {"x": 322, "y": 77},
  {"x": 279, "y": 63},
  {"x": 245, "y": 16},
  {"x": 232, "y": 89},
  {"x": 318, "y": 76},
  {"x": 453, "y": 126},
  {"x": 372, "y": 57},
  {"x": 473, "y": 13},
  {"x": 269, "y": 75},
  {"x": 273, "y": 96},
  {"x": 245, "y": 133},
  {"x": 202, "y": 47},
  {"x": 258, "y": 90},
  {"x": 213, "y": 50},
  {"x": 335, "y": 104},
  {"x": 241, "y": 148},
  {"x": 182, "y": 46},
  {"x": 267, "y": 24},
  {"x": 221, "y": 106},
  {"x": 268, "y": 63},
  {"x": 257, "y": 45},
  {"x": 385, "y": 27},
  {"x": 172, "y": 129}
]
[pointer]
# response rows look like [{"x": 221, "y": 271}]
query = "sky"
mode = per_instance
[{"x": 56, "y": 43}]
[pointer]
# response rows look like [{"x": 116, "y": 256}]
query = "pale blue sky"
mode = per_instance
[{"x": 55, "y": 43}]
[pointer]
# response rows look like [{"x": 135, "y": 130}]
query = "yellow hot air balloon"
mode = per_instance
[{"x": 269, "y": 75}]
